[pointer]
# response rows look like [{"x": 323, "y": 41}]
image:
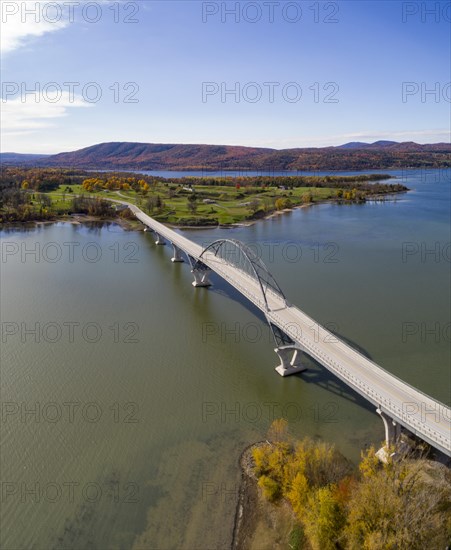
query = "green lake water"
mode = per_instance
[{"x": 125, "y": 412}]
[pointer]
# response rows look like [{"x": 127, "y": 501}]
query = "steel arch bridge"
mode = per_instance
[
  {"x": 399, "y": 404},
  {"x": 238, "y": 255}
]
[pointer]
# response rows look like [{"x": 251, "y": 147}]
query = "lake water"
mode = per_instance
[
  {"x": 403, "y": 174},
  {"x": 128, "y": 395}
]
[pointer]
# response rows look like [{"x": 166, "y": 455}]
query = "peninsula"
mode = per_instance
[{"x": 38, "y": 194}]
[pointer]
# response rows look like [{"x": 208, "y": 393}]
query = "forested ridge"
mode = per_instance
[{"x": 151, "y": 156}]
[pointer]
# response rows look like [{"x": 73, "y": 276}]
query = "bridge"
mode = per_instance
[{"x": 398, "y": 403}]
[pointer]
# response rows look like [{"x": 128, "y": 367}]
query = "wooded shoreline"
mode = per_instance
[
  {"x": 304, "y": 494},
  {"x": 49, "y": 194}
]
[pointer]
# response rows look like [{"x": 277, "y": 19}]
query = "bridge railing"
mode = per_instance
[
  {"x": 361, "y": 387},
  {"x": 366, "y": 390}
]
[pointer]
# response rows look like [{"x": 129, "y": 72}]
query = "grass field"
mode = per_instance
[{"x": 214, "y": 204}]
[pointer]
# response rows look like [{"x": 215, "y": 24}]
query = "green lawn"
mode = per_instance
[{"x": 230, "y": 205}]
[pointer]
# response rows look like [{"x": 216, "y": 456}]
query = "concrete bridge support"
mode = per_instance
[
  {"x": 177, "y": 257},
  {"x": 158, "y": 239},
  {"x": 201, "y": 277},
  {"x": 392, "y": 435},
  {"x": 290, "y": 360}
]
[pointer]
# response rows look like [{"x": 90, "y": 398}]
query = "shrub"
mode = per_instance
[{"x": 271, "y": 488}]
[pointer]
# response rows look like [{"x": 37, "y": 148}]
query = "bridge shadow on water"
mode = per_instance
[
  {"x": 316, "y": 373},
  {"x": 223, "y": 288},
  {"x": 320, "y": 376}
]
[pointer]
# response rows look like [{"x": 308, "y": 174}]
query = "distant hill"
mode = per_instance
[
  {"x": 405, "y": 146},
  {"x": 354, "y": 145},
  {"x": 362, "y": 145},
  {"x": 154, "y": 156},
  {"x": 18, "y": 158}
]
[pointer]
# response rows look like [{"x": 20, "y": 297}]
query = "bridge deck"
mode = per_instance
[{"x": 416, "y": 411}]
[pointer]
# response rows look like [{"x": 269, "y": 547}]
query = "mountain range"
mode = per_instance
[{"x": 153, "y": 156}]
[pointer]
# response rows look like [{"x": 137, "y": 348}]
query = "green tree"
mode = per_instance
[{"x": 192, "y": 203}]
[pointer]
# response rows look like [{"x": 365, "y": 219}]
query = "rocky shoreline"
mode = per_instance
[{"x": 244, "y": 523}]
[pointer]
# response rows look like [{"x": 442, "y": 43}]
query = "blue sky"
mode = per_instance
[{"x": 337, "y": 70}]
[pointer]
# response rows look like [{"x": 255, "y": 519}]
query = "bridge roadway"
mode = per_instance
[{"x": 398, "y": 403}]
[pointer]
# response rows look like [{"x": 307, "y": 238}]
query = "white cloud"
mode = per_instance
[
  {"x": 27, "y": 117},
  {"x": 26, "y": 19},
  {"x": 23, "y": 20}
]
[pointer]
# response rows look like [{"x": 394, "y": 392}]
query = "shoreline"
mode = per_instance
[
  {"x": 247, "y": 492},
  {"x": 132, "y": 224},
  {"x": 260, "y": 523},
  {"x": 257, "y": 521},
  {"x": 73, "y": 220}
]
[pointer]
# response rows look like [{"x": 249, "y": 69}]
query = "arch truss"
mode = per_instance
[{"x": 240, "y": 256}]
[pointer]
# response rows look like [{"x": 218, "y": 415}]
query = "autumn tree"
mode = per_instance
[
  {"x": 278, "y": 431},
  {"x": 399, "y": 505},
  {"x": 323, "y": 518},
  {"x": 282, "y": 203}
]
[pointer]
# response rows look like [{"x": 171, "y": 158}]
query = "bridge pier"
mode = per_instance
[
  {"x": 201, "y": 277},
  {"x": 177, "y": 257},
  {"x": 158, "y": 239},
  {"x": 289, "y": 360},
  {"x": 392, "y": 435}
]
